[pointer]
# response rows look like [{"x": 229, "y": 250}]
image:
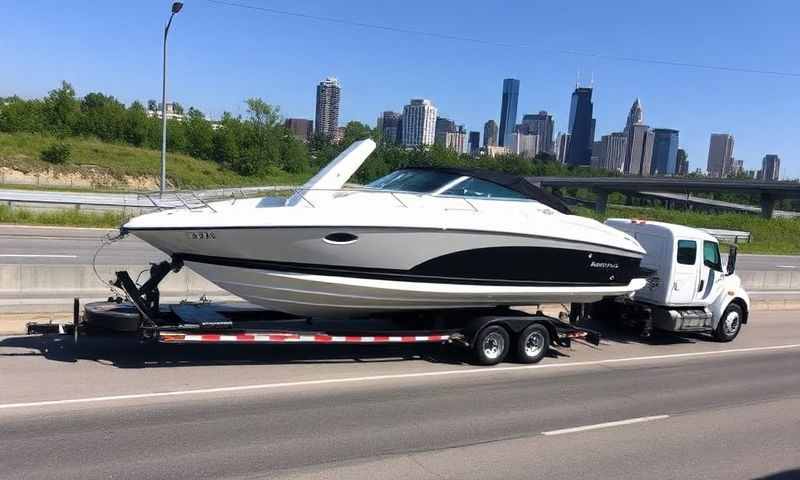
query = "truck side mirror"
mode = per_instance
[{"x": 731, "y": 266}]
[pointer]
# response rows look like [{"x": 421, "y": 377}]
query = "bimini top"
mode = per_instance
[{"x": 433, "y": 179}]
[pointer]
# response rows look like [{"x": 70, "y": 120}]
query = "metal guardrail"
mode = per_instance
[{"x": 729, "y": 236}]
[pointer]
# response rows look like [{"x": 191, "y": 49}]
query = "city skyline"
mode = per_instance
[{"x": 286, "y": 65}]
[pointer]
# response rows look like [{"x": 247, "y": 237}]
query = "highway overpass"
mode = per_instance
[{"x": 769, "y": 192}]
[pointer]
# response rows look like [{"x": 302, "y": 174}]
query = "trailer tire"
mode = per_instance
[
  {"x": 491, "y": 345},
  {"x": 532, "y": 344},
  {"x": 730, "y": 324}
]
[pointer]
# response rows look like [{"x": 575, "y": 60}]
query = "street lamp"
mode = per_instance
[{"x": 176, "y": 7}]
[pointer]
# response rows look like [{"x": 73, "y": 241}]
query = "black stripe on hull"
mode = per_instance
[{"x": 502, "y": 266}]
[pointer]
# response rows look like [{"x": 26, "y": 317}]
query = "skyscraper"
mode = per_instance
[
  {"x": 635, "y": 117},
  {"x": 444, "y": 125},
  {"x": 474, "y": 142},
  {"x": 301, "y": 128},
  {"x": 665, "y": 152},
  {"x": 490, "y": 134},
  {"x": 682, "y": 163},
  {"x": 771, "y": 168},
  {"x": 389, "y": 126},
  {"x": 327, "y": 118},
  {"x": 580, "y": 127},
  {"x": 612, "y": 151},
  {"x": 562, "y": 147},
  {"x": 640, "y": 150},
  {"x": 419, "y": 123},
  {"x": 540, "y": 124},
  {"x": 720, "y": 154},
  {"x": 508, "y": 110},
  {"x": 524, "y": 145}
]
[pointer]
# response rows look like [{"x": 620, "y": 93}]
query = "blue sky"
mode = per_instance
[{"x": 220, "y": 55}]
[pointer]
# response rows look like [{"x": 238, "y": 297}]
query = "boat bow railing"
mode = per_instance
[{"x": 301, "y": 194}]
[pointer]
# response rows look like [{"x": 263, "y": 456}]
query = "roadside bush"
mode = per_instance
[{"x": 57, "y": 153}]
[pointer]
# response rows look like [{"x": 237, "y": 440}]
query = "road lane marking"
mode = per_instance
[
  {"x": 32, "y": 255},
  {"x": 785, "y": 266},
  {"x": 597, "y": 426},
  {"x": 398, "y": 376}
]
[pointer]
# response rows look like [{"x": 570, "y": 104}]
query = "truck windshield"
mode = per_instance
[{"x": 418, "y": 181}]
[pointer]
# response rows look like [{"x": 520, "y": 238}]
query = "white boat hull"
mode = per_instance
[{"x": 311, "y": 295}]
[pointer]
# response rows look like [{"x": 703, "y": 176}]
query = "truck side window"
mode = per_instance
[
  {"x": 687, "y": 252},
  {"x": 711, "y": 257}
]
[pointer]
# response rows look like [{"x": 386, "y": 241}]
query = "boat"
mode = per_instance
[{"x": 417, "y": 239}]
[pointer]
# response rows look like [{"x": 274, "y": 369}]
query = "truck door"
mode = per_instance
[
  {"x": 686, "y": 278},
  {"x": 710, "y": 273}
]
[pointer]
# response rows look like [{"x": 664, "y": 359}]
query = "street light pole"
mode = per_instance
[{"x": 176, "y": 7}]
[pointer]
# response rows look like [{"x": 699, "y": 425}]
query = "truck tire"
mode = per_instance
[
  {"x": 729, "y": 324},
  {"x": 491, "y": 345},
  {"x": 532, "y": 344}
]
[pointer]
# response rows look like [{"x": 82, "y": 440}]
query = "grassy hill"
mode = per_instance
[
  {"x": 90, "y": 157},
  {"x": 780, "y": 236}
]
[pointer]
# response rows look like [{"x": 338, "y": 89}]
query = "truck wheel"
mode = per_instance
[
  {"x": 491, "y": 345},
  {"x": 730, "y": 324},
  {"x": 532, "y": 344}
]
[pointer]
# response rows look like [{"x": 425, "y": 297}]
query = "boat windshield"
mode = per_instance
[{"x": 417, "y": 181}]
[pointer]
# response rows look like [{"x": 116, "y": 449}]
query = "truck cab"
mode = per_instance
[{"x": 689, "y": 288}]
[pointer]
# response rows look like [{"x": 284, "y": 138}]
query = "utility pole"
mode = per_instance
[{"x": 176, "y": 7}]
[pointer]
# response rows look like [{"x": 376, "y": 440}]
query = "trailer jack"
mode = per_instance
[{"x": 147, "y": 297}]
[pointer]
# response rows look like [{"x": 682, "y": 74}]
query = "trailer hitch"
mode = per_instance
[{"x": 147, "y": 297}]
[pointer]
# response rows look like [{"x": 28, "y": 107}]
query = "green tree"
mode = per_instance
[
  {"x": 199, "y": 135},
  {"x": 61, "y": 109}
]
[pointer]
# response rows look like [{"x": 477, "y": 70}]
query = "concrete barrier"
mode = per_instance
[
  {"x": 42, "y": 281},
  {"x": 770, "y": 280}
]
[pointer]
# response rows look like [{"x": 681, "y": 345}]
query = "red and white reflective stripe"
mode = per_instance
[{"x": 177, "y": 337}]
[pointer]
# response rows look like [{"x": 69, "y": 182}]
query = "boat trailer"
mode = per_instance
[{"x": 492, "y": 334}]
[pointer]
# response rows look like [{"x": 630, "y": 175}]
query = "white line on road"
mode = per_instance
[
  {"x": 31, "y": 255},
  {"x": 785, "y": 266},
  {"x": 398, "y": 376},
  {"x": 605, "y": 425}
]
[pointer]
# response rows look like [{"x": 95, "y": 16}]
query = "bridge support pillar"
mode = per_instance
[
  {"x": 601, "y": 202},
  {"x": 767, "y": 205}
]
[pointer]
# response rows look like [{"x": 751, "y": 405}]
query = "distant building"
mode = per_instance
[
  {"x": 389, "y": 126},
  {"x": 474, "y": 142},
  {"x": 580, "y": 127},
  {"x": 682, "y": 163},
  {"x": 771, "y": 168},
  {"x": 612, "y": 151},
  {"x": 454, "y": 141},
  {"x": 665, "y": 152},
  {"x": 737, "y": 167},
  {"x": 561, "y": 147},
  {"x": 525, "y": 145},
  {"x": 301, "y": 128},
  {"x": 327, "y": 117},
  {"x": 419, "y": 123},
  {"x": 508, "y": 110},
  {"x": 639, "y": 150},
  {"x": 540, "y": 124},
  {"x": 444, "y": 125},
  {"x": 494, "y": 151},
  {"x": 490, "y": 134},
  {"x": 635, "y": 117},
  {"x": 338, "y": 135},
  {"x": 170, "y": 112},
  {"x": 720, "y": 154}
]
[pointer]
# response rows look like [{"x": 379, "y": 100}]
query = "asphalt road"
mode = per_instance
[
  {"x": 683, "y": 408},
  {"x": 42, "y": 245}
]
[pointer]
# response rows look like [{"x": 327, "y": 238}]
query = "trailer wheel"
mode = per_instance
[
  {"x": 730, "y": 324},
  {"x": 532, "y": 344},
  {"x": 491, "y": 345}
]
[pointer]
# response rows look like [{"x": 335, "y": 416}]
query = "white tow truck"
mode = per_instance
[{"x": 689, "y": 289}]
